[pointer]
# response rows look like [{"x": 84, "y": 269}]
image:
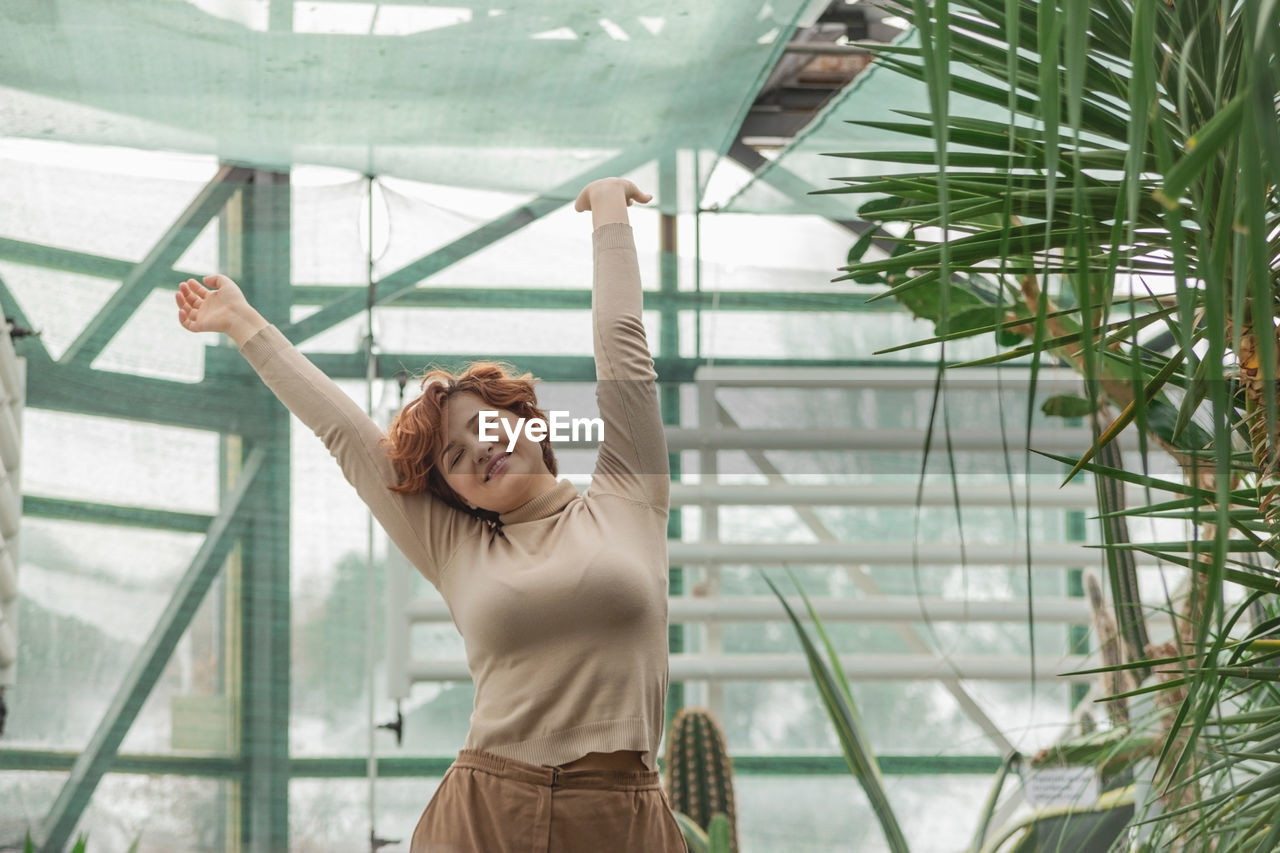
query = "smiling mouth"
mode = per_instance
[{"x": 496, "y": 467}]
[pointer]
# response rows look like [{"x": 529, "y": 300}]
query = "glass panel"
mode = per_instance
[
  {"x": 90, "y": 597},
  {"x": 826, "y": 814},
  {"x": 332, "y": 815},
  {"x": 161, "y": 813},
  {"x": 25, "y": 798}
]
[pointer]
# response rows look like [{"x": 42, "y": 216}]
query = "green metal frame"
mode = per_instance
[
  {"x": 90, "y": 765},
  {"x": 154, "y": 269},
  {"x": 62, "y": 509},
  {"x": 1077, "y": 635},
  {"x": 407, "y": 277},
  {"x": 255, "y": 246},
  {"x": 421, "y": 767},
  {"x": 669, "y": 393},
  {"x": 576, "y": 299},
  {"x": 254, "y": 232}
]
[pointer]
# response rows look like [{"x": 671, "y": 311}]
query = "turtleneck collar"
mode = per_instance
[{"x": 544, "y": 505}]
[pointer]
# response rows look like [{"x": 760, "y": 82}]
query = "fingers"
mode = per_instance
[
  {"x": 186, "y": 314},
  {"x": 189, "y": 296},
  {"x": 630, "y": 192},
  {"x": 192, "y": 291}
]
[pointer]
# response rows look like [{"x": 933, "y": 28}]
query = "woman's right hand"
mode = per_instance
[{"x": 218, "y": 305}]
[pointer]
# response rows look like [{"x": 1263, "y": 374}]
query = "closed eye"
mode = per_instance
[{"x": 455, "y": 459}]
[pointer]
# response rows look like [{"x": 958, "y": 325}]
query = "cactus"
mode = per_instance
[
  {"x": 720, "y": 835},
  {"x": 699, "y": 770}
]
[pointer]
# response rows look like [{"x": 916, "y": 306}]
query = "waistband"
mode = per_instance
[{"x": 541, "y": 774}]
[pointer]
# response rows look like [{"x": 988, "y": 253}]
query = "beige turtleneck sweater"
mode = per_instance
[{"x": 565, "y": 619}]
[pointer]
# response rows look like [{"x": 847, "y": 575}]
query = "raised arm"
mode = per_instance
[
  {"x": 632, "y": 461},
  {"x": 423, "y": 527}
]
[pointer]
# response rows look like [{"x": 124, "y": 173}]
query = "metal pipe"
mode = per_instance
[
  {"x": 795, "y": 667},
  {"x": 686, "y": 609},
  {"x": 1044, "y": 555},
  {"x": 881, "y": 495},
  {"x": 850, "y": 440},
  {"x": 824, "y": 49},
  {"x": 885, "y": 378}
]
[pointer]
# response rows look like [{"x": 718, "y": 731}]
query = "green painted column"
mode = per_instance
[
  {"x": 1078, "y": 636},
  {"x": 669, "y": 392},
  {"x": 255, "y": 243}
]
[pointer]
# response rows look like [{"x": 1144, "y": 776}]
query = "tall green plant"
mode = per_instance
[
  {"x": 1138, "y": 138},
  {"x": 833, "y": 688}
]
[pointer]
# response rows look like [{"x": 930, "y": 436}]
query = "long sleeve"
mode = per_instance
[
  {"x": 632, "y": 461},
  {"x": 426, "y": 529}
]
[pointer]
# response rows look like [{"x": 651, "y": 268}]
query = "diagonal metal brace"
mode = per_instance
[
  {"x": 407, "y": 277},
  {"x": 100, "y": 752},
  {"x": 137, "y": 286}
]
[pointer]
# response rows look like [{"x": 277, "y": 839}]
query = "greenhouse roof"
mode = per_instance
[
  {"x": 817, "y": 160},
  {"x": 522, "y": 98}
]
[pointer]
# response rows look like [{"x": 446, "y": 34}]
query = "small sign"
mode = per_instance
[{"x": 1047, "y": 786}]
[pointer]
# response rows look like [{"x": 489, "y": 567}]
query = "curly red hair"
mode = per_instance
[{"x": 417, "y": 434}]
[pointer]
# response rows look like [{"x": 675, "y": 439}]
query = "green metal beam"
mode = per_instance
[
  {"x": 572, "y": 299},
  {"x": 425, "y": 767},
  {"x": 62, "y": 509},
  {"x": 144, "y": 276},
  {"x": 98, "y": 755},
  {"x": 668, "y": 394},
  {"x": 81, "y": 263},
  {"x": 256, "y": 244},
  {"x": 788, "y": 183},
  {"x": 86, "y": 391},
  {"x": 407, "y": 277},
  {"x": 552, "y": 368},
  {"x": 1077, "y": 635},
  {"x": 61, "y": 761},
  {"x": 748, "y": 765},
  {"x": 553, "y": 298}
]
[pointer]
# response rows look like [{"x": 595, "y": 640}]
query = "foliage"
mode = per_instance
[
  {"x": 833, "y": 687},
  {"x": 718, "y": 838},
  {"x": 720, "y": 834},
  {"x": 1125, "y": 140},
  {"x": 81, "y": 845},
  {"x": 1092, "y": 829}
]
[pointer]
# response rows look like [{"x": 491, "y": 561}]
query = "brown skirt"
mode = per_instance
[{"x": 487, "y": 803}]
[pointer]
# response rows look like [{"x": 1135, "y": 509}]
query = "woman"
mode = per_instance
[{"x": 561, "y": 598}]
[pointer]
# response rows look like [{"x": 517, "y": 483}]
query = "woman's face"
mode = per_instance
[{"x": 483, "y": 473}]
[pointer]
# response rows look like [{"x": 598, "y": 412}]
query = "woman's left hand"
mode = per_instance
[{"x": 630, "y": 192}]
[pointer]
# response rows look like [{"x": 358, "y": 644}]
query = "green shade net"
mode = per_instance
[
  {"x": 520, "y": 98},
  {"x": 811, "y": 162}
]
